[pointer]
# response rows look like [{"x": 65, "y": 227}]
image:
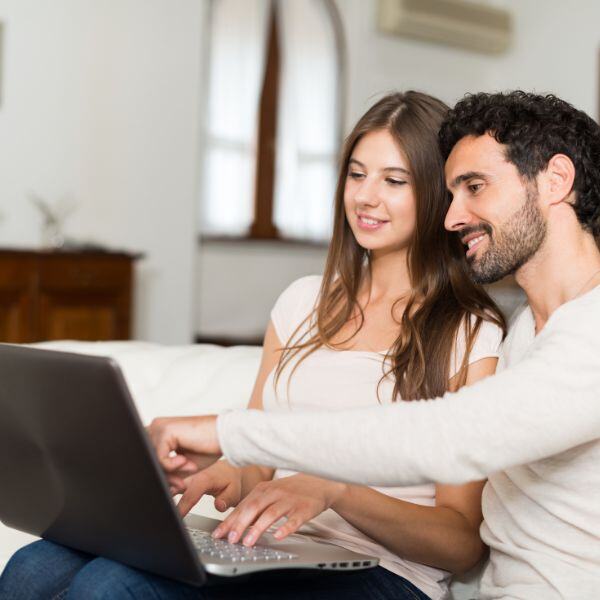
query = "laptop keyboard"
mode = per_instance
[{"x": 209, "y": 547}]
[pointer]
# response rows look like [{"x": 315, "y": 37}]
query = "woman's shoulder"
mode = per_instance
[
  {"x": 307, "y": 286},
  {"x": 489, "y": 332},
  {"x": 294, "y": 304},
  {"x": 486, "y": 344}
]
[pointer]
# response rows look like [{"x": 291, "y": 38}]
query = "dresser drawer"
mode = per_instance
[
  {"x": 82, "y": 273},
  {"x": 16, "y": 274},
  {"x": 77, "y": 295}
]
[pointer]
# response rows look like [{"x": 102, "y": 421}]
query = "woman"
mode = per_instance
[{"x": 394, "y": 318}]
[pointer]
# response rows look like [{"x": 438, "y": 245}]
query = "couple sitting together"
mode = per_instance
[{"x": 341, "y": 444}]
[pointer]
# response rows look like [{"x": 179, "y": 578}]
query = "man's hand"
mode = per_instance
[
  {"x": 221, "y": 480},
  {"x": 184, "y": 445},
  {"x": 298, "y": 498}
]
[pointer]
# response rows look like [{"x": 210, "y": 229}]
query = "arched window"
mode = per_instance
[{"x": 273, "y": 119}]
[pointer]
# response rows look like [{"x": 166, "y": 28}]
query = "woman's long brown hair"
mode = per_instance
[{"x": 443, "y": 296}]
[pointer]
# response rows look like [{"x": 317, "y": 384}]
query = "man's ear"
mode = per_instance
[{"x": 559, "y": 177}]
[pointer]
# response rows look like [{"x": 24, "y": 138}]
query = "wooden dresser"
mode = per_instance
[{"x": 65, "y": 295}]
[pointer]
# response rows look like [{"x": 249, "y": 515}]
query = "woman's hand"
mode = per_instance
[
  {"x": 298, "y": 498},
  {"x": 221, "y": 480},
  {"x": 184, "y": 445}
]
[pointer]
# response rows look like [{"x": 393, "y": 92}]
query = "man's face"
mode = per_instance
[{"x": 494, "y": 211}]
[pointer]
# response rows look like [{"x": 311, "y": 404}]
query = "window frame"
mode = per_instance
[{"x": 263, "y": 228}]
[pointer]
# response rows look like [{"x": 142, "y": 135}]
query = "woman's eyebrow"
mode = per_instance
[
  {"x": 401, "y": 169},
  {"x": 353, "y": 161},
  {"x": 387, "y": 169}
]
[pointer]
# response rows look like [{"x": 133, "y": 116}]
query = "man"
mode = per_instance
[{"x": 524, "y": 174}]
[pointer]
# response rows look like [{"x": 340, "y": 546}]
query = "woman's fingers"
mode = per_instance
[
  {"x": 266, "y": 504},
  {"x": 176, "y": 485},
  {"x": 264, "y": 521},
  {"x": 253, "y": 519},
  {"x": 292, "y": 524},
  {"x": 218, "y": 481},
  {"x": 242, "y": 517},
  {"x": 197, "y": 485},
  {"x": 191, "y": 496},
  {"x": 226, "y": 499}
]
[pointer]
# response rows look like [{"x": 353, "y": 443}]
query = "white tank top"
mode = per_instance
[{"x": 330, "y": 380}]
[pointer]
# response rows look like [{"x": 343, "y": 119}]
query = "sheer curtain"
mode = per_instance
[
  {"x": 238, "y": 31},
  {"x": 308, "y": 129}
]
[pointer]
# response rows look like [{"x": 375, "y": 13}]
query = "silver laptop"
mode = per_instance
[{"x": 77, "y": 468}]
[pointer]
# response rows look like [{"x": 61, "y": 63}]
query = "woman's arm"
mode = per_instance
[{"x": 445, "y": 535}]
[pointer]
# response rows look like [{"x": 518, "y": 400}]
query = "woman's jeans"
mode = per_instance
[{"x": 46, "y": 571}]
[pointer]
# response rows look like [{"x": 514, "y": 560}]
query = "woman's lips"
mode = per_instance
[{"x": 369, "y": 223}]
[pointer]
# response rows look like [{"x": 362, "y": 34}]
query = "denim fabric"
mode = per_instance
[
  {"x": 47, "y": 571},
  {"x": 41, "y": 571}
]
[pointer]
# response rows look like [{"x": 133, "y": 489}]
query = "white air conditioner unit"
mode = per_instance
[{"x": 470, "y": 25}]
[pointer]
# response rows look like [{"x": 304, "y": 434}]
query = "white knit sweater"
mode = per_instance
[{"x": 533, "y": 429}]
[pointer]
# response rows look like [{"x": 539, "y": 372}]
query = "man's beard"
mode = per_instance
[{"x": 517, "y": 240}]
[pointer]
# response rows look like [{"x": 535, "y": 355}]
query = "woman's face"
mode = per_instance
[{"x": 378, "y": 196}]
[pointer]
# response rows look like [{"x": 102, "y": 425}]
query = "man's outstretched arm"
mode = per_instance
[{"x": 548, "y": 403}]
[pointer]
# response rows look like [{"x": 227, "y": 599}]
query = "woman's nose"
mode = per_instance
[{"x": 367, "y": 194}]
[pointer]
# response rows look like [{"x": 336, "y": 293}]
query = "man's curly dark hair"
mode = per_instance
[{"x": 534, "y": 128}]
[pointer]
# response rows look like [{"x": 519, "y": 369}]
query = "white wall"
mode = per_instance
[
  {"x": 379, "y": 63},
  {"x": 100, "y": 103},
  {"x": 239, "y": 283},
  {"x": 555, "y": 49}
]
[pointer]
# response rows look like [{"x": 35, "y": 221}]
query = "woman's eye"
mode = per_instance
[
  {"x": 475, "y": 187},
  {"x": 393, "y": 181},
  {"x": 355, "y": 175}
]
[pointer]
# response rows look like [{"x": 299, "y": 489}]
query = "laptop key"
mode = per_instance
[{"x": 207, "y": 545}]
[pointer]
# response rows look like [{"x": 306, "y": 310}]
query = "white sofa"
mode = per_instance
[{"x": 181, "y": 380}]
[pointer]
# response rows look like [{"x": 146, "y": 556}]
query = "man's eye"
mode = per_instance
[{"x": 475, "y": 187}]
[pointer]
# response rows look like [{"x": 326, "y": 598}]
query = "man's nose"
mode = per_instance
[{"x": 457, "y": 216}]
